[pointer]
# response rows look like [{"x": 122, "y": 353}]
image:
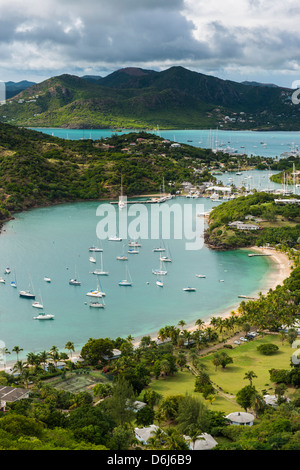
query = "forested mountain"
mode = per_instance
[{"x": 139, "y": 98}]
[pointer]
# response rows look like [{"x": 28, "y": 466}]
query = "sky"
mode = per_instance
[{"x": 255, "y": 40}]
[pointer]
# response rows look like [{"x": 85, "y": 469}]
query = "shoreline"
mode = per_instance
[{"x": 280, "y": 269}]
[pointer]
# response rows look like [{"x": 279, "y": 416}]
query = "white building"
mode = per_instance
[
  {"x": 144, "y": 434},
  {"x": 240, "y": 418},
  {"x": 203, "y": 442}
]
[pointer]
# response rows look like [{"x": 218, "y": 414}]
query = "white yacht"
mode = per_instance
[
  {"x": 97, "y": 304},
  {"x": 201, "y": 275},
  {"x": 115, "y": 239},
  {"x": 92, "y": 259},
  {"x": 47, "y": 279},
  {"x": 2, "y": 280},
  {"x": 96, "y": 292},
  {"x": 159, "y": 283},
  {"x": 189, "y": 289},
  {"x": 44, "y": 316}
]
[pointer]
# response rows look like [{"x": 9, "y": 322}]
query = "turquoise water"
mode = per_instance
[
  {"x": 249, "y": 142},
  {"x": 54, "y": 242}
]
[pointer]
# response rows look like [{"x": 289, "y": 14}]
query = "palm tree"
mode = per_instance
[
  {"x": 181, "y": 323},
  {"x": 18, "y": 367},
  {"x": 70, "y": 347},
  {"x": 199, "y": 323},
  {"x": 250, "y": 375},
  {"x": 17, "y": 350},
  {"x": 43, "y": 358},
  {"x": 257, "y": 402}
]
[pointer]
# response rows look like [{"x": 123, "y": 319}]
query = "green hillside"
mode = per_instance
[
  {"x": 137, "y": 98},
  {"x": 38, "y": 169}
]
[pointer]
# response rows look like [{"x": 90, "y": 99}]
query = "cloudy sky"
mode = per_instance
[{"x": 231, "y": 39}]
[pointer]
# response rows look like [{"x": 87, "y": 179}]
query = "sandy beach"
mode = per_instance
[{"x": 280, "y": 270}]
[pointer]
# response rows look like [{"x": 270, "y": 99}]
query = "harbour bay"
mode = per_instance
[{"x": 54, "y": 241}]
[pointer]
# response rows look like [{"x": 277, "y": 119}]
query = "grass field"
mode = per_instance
[{"x": 231, "y": 379}]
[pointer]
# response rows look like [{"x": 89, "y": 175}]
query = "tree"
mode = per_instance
[
  {"x": 244, "y": 396},
  {"x": 17, "y": 350},
  {"x": 122, "y": 438},
  {"x": 222, "y": 359},
  {"x": 250, "y": 375},
  {"x": 121, "y": 404},
  {"x": 69, "y": 346},
  {"x": 192, "y": 415},
  {"x": 145, "y": 416}
]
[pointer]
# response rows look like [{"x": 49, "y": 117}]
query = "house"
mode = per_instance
[
  {"x": 11, "y": 394},
  {"x": 242, "y": 226},
  {"x": 116, "y": 353},
  {"x": 203, "y": 442},
  {"x": 240, "y": 418},
  {"x": 137, "y": 405},
  {"x": 272, "y": 400},
  {"x": 144, "y": 434}
]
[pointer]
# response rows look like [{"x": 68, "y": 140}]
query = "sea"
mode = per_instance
[{"x": 55, "y": 241}]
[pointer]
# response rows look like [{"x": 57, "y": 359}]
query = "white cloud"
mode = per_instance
[{"x": 229, "y": 38}]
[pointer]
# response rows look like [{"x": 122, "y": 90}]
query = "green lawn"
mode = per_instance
[{"x": 231, "y": 380}]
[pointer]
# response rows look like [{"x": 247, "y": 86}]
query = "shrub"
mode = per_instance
[{"x": 267, "y": 349}]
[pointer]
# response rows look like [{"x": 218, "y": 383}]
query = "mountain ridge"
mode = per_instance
[{"x": 133, "y": 97}]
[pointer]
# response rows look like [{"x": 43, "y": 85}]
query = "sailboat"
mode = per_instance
[
  {"x": 96, "y": 292},
  {"x": 27, "y": 294},
  {"x": 160, "y": 271},
  {"x": 115, "y": 239},
  {"x": 166, "y": 258},
  {"x": 97, "y": 304},
  {"x": 95, "y": 249},
  {"x": 134, "y": 243},
  {"x": 101, "y": 272},
  {"x": 121, "y": 202},
  {"x": 133, "y": 251},
  {"x": 122, "y": 257},
  {"x": 38, "y": 304},
  {"x": 14, "y": 282},
  {"x": 128, "y": 280},
  {"x": 159, "y": 249},
  {"x": 75, "y": 281}
]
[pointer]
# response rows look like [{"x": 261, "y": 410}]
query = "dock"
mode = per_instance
[
  {"x": 155, "y": 200},
  {"x": 246, "y": 297},
  {"x": 258, "y": 254}
]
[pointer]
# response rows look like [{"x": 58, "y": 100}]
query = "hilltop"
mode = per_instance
[{"x": 139, "y": 98}]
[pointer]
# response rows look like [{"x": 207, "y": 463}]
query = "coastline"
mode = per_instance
[{"x": 280, "y": 269}]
